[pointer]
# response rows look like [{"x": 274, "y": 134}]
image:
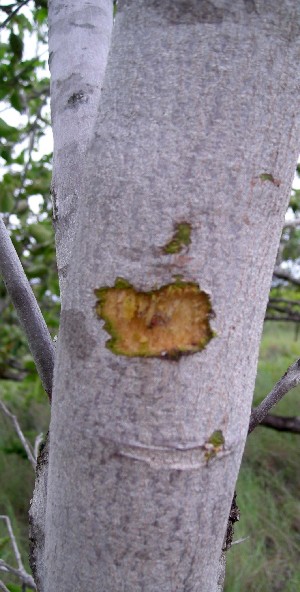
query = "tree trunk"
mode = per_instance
[{"x": 182, "y": 195}]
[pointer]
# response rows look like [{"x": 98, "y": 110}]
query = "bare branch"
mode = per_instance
[
  {"x": 27, "y": 309},
  {"x": 292, "y": 223},
  {"x": 242, "y": 540},
  {"x": 3, "y": 587},
  {"x": 284, "y": 274},
  {"x": 285, "y": 318},
  {"x": 282, "y": 424},
  {"x": 13, "y": 541},
  {"x": 13, "y": 12},
  {"x": 25, "y": 578},
  {"x": 21, "y": 573},
  {"x": 287, "y": 382},
  {"x": 21, "y": 436},
  {"x": 285, "y": 301}
]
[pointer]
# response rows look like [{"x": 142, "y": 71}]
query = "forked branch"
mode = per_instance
[{"x": 20, "y": 571}]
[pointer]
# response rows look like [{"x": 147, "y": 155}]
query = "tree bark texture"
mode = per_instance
[
  {"x": 198, "y": 124},
  {"x": 79, "y": 37}
]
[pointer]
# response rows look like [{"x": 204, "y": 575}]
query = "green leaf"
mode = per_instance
[
  {"x": 17, "y": 101},
  {"x": 8, "y": 131},
  {"x": 6, "y": 202},
  {"x": 41, "y": 12},
  {"x": 16, "y": 45},
  {"x": 36, "y": 271},
  {"x": 3, "y": 542},
  {"x": 5, "y": 153},
  {"x": 40, "y": 232}
]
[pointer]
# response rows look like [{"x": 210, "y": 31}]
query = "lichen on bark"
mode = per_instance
[{"x": 168, "y": 322}]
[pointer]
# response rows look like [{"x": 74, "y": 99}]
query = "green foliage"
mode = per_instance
[
  {"x": 268, "y": 485},
  {"x": 25, "y": 177},
  {"x": 17, "y": 475}
]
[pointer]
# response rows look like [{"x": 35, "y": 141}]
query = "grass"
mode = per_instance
[
  {"x": 17, "y": 475},
  {"x": 269, "y": 484}
]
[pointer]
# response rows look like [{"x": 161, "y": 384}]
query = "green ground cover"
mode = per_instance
[{"x": 268, "y": 487}]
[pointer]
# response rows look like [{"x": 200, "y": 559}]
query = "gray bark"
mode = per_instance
[
  {"x": 198, "y": 122},
  {"x": 79, "y": 36}
]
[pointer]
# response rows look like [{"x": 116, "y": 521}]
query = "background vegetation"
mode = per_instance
[{"x": 269, "y": 482}]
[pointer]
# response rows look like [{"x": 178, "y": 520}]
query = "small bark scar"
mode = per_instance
[
  {"x": 77, "y": 97},
  {"x": 180, "y": 458}
]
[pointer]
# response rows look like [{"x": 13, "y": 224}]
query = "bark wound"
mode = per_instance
[
  {"x": 169, "y": 322},
  {"x": 77, "y": 97}
]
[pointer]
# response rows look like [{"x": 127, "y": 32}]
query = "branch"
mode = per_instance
[
  {"x": 21, "y": 436},
  {"x": 25, "y": 578},
  {"x": 239, "y": 541},
  {"x": 3, "y": 587},
  {"x": 27, "y": 308},
  {"x": 32, "y": 137},
  {"x": 21, "y": 573},
  {"x": 292, "y": 319},
  {"x": 292, "y": 223},
  {"x": 287, "y": 382},
  {"x": 285, "y": 301},
  {"x": 285, "y": 275},
  {"x": 12, "y": 14},
  {"x": 282, "y": 424}
]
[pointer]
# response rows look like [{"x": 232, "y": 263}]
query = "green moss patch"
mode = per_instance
[
  {"x": 270, "y": 178},
  {"x": 214, "y": 444},
  {"x": 181, "y": 238}
]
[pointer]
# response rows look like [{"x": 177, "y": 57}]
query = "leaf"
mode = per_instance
[
  {"x": 5, "y": 153},
  {"x": 3, "y": 542},
  {"x": 6, "y": 202},
  {"x": 17, "y": 101},
  {"x": 40, "y": 232},
  {"x": 36, "y": 271},
  {"x": 16, "y": 45},
  {"x": 8, "y": 131}
]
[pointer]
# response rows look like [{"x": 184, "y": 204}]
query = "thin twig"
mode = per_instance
[
  {"x": 240, "y": 541},
  {"x": 286, "y": 275},
  {"x": 12, "y": 14},
  {"x": 32, "y": 136},
  {"x": 21, "y": 573},
  {"x": 287, "y": 382},
  {"x": 3, "y": 587},
  {"x": 21, "y": 436},
  {"x": 282, "y": 424},
  {"x": 27, "y": 308},
  {"x": 292, "y": 223},
  {"x": 13, "y": 541}
]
